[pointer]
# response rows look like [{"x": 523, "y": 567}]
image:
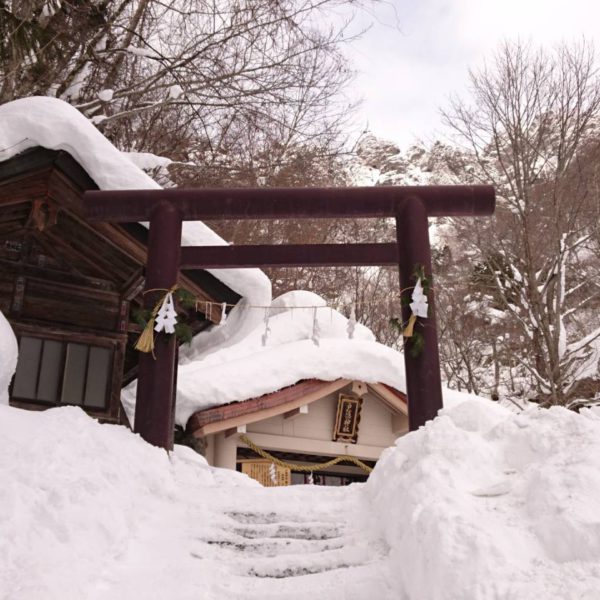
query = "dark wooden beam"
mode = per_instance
[
  {"x": 155, "y": 399},
  {"x": 314, "y": 255},
  {"x": 273, "y": 203},
  {"x": 133, "y": 286},
  {"x": 48, "y": 273},
  {"x": 422, "y": 368}
]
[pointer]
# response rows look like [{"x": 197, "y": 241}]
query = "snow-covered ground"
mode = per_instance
[
  {"x": 481, "y": 503},
  {"x": 8, "y": 357}
]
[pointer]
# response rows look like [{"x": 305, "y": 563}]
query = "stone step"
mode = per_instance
[
  {"x": 280, "y": 550},
  {"x": 275, "y": 546},
  {"x": 294, "y": 565},
  {"x": 361, "y": 582},
  {"x": 309, "y": 530},
  {"x": 267, "y": 518}
]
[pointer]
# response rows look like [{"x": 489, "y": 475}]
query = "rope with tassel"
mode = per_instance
[
  {"x": 145, "y": 342},
  {"x": 305, "y": 468}
]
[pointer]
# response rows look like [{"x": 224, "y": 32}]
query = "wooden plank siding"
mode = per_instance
[{"x": 76, "y": 305}]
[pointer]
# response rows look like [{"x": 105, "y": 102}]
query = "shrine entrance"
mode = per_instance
[{"x": 166, "y": 209}]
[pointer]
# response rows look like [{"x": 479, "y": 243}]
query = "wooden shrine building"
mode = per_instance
[
  {"x": 306, "y": 424},
  {"x": 70, "y": 288}
]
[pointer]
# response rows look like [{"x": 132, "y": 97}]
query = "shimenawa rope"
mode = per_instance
[{"x": 305, "y": 468}]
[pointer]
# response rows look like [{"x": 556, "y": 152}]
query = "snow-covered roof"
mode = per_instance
[
  {"x": 251, "y": 367},
  {"x": 56, "y": 125}
]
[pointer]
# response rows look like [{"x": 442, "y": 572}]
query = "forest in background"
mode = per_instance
[{"x": 247, "y": 93}]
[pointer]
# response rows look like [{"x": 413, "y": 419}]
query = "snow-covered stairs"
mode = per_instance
[{"x": 295, "y": 543}]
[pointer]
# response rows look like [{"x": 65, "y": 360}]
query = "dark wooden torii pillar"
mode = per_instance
[{"x": 166, "y": 209}]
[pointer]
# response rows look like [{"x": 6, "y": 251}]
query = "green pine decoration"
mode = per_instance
[{"x": 411, "y": 329}]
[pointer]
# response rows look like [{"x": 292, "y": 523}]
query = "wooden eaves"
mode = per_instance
[{"x": 227, "y": 416}]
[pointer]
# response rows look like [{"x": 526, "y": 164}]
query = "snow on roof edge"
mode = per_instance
[
  {"x": 54, "y": 124},
  {"x": 278, "y": 353}
]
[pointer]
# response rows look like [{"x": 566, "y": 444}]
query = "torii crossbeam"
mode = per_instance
[{"x": 166, "y": 209}]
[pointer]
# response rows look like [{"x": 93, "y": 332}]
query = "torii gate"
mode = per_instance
[{"x": 166, "y": 209}]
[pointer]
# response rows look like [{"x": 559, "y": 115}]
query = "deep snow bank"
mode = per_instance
[
  {"x": 479, "y": 504},
  {"x": 75, "y": 495},
  {"x": 483, "y": 504}
]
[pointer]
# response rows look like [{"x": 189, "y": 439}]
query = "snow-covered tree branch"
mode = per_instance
[{"x": 530, "y": 124}]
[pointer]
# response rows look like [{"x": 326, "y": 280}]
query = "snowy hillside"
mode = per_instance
[
  {"x": 479, "y": 504},
  {"x": 381, "y": 162}
]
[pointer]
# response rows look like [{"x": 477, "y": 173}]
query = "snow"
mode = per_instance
[
  {"x": 478, "y": 504},
  {"x": 148, "y": 161},
  {"x": 145, "y": 52},
  {"x": 106, "y": 95},
  {"x": 49, "y": 9},
  {"x": 77, "y": 497},
  {"x": 54, "y": 124},
  {"x": 381, "y": 162},
  {"x": 8, "y": 357},
  {"x": 175, "y": 92},
  {"x": 247, "y": 368}
]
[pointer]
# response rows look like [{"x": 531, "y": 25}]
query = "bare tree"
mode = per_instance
[
  {"x": 372, "y": 291},
  {"x": 532, "y": 115},
  {"x": 186, "y": 78}
]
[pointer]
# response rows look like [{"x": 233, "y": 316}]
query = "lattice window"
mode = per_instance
[{"x": 59, "y": 372}]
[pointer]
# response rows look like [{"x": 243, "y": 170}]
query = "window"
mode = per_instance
[{"x": 61, "y": 372}]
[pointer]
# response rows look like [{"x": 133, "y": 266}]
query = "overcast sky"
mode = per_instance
[{"x": 418, "y": 52}]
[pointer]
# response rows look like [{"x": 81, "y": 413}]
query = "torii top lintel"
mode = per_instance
[{"x": 120, "y": 206}]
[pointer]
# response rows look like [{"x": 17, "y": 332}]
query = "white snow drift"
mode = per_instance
[
  {"x": 8, "y": 357},
  {"x": 481, "y": 504}
]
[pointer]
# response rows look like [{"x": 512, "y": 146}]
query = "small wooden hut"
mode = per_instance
[{"x": 70, "y": 288}]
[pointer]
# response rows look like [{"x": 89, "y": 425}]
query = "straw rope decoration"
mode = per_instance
[
  {"x": 305, "y": 468},
  {"x": 145, "y": 342},
  {"x": 163, "y": 316}
]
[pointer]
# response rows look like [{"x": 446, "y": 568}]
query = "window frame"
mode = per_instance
[{"x": 112, "y": 409}]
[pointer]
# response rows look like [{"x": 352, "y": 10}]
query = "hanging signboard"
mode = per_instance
[{"x": 347, "y": 419}]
